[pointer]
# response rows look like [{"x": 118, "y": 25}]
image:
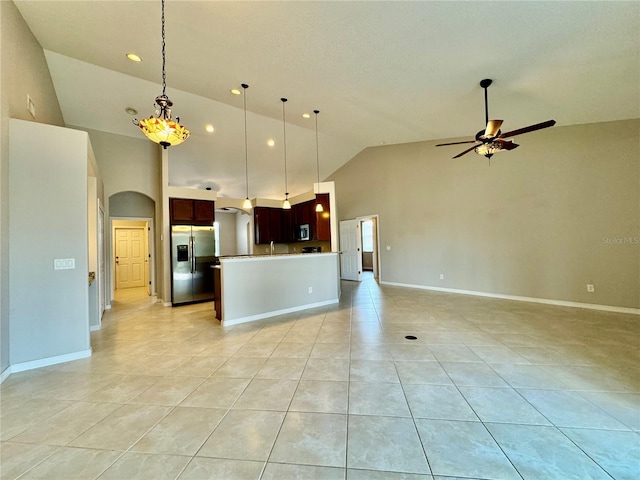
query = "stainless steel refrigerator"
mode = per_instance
[{"x": 192, "y": 255}]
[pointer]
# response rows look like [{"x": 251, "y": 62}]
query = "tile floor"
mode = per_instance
[{"x": 491, "y": 389}]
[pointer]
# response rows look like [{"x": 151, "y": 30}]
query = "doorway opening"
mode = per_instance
[
  {"x": 132, "y": 244},
  {"x": 359, "y": 247}
]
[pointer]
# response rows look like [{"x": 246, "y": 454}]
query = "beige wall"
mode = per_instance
[
  {"x": 130, "y": 164},
  {"x": 23, "y": 70},
  {"x": 534, "y": 223}
]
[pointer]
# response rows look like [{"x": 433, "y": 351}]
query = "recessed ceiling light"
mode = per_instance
[
  {"x": 209, "y": 128},
  {"x": 235, "y": 91},
  {"x": 133, "y": 57},
  {"x": 131, "y": 111},
  {"x": 271, "y": 142},
  {"x": 306, "y": 115}
]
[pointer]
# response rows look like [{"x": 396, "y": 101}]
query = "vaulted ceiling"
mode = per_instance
[{"x": 379, "y": 72}]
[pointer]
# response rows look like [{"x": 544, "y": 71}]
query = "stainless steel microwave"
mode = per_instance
[{"x": 304, "y": 232}]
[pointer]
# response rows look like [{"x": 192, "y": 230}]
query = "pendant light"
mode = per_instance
[
  {"x": 319, "y": 207},
  {"x": 161, "y": 128},
  {"x": 247, "y": 203},
  {"x": 286, "y": 205}
]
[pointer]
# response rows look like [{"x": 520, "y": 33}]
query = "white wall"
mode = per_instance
[
  {"x": 48, "y": 220},
  {"x": 244, "y": 233},
  {"x": 228, "y": 239},
  {"x": 23, "y": 69},
  {"x": 532, "y": 224}
]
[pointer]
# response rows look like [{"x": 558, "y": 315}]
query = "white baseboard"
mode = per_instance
[
  {"x": 95, "y": 328},
  {"x": 107, "y": 307},
  {"x": 260, "y": 316},
  {"x": 562, "y": 303},
  {"x": 4, "y": 375},
  {"x": 166, "y": 304},
  {"x": 45, "y": 362}
]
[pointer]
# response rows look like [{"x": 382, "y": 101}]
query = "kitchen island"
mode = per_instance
[{"x": 261, "y": 286}]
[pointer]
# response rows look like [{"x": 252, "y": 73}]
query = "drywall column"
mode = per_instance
[{"x": 49, "y": 316}]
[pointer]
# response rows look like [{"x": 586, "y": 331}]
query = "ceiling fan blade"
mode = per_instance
[
  {"x": 455, "y": 143},
  {"x": 530, "y": 128},
  {"x": 465, "y": 152},
  {"x": 507, "y": 144},
  {"x": 492, "y": 128}
]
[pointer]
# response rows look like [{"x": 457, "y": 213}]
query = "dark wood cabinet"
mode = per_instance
[
  {"x": 281, "y": 226},
  {"x": 323, "y": 219},
  {"x": 186, "y": 211},
  {"x": 261, "y": 223}
]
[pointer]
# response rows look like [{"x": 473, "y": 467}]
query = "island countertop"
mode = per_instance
[{"x": 261, "y": 286}]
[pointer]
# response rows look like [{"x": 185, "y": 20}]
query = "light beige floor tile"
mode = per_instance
[
  {"x": 463, "y": 449},
  {"x": 66, "y": 425},
  {"x": 569, "y": 409},
  {"x": 528, "y": 376},
  {"x": 320, "y": 397},
  {"x": 442, "y": 402},
  {"x": 411, "y": 372},
  {"x": 293, "y": 350},
  {"x": 454, "y": 353},
  {"x": 473, "y": 374},
  {"x": 367, "y": 351},
  {"x": 382, "y": 399},
  {"x": 240, "y": 367},
  {"x": 283, "y": 471},
  {"x": 21, "y": 415},
  {"x": 502, "y": 405},
  {"x": 122, "y": 428},
  {"x": 182, "y": 432},
  {"x": 332, "y": 369},
  {"x": 282, "y": 368},
  {"x": 421, "y": 353},
  {"x": 373, "y": 371},
  {"x": 263, "y": 394},
  {"x": 544, "y": 452},
  {"x": 145, "y": 466},
  {"x": 216, "y": 392},
  {"x": 214, "y": 468},
  {"x": 73, "y": 463},
  {"x": 17, "y": 458},
  {"x": 498, "y": 354},
  {"x": 123, "y": 390},
  {"x": 199, "y": 366},
  {"x": 624, "y": 407},
  {"x": 244, "y": 435},
  {"x": 312, "y": 439},
  {"x": 169, "y": 391},
  {"x": 385, "y": 443},
  {"x": 353, "y": 474},
  {"x": 618, "y": 453},
  {"x": 331, "y": 350},
  {"x": 257, "y": 349}
]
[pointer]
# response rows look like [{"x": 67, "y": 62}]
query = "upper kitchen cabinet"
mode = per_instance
[
  {"x": 186, "y": 211},
  {"x": 261, "y": 223},
  {"x": 322, "y": 229}
]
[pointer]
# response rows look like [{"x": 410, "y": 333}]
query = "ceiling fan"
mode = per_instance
[{"x": 491, "y": 140}]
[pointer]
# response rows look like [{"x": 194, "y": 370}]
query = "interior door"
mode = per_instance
[
  {"x": 350, "y": 261},
  {"x": 130, "y": 253}
]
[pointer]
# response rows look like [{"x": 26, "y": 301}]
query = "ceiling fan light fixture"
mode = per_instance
[
  {"x": 488, "y": 149},
  {"x": 161, "y": 128}
]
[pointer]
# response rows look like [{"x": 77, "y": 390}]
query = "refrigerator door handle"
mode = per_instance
[{"x": 193, "y": 254}]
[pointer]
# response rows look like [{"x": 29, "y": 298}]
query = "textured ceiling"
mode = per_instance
[{"x": 391, "y": 72}]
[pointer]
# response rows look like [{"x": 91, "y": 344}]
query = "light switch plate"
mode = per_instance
[{"x": 64, "y": 264}]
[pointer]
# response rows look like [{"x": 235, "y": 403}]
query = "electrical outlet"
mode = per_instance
[
  {"x": 310, "y": 289},
  {"x": 591, "y": 288},
  {"x": 442, "y": 276}
]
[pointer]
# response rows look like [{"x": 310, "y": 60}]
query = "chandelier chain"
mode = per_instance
[{"x": 164, "y": 74}]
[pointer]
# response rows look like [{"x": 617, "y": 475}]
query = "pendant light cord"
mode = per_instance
[
  {"x": 246, "y": 143},
  {"x": 164, "y": 74},
  {"x": 284, "y": 137},
  {"x": 317, "y": 151}
]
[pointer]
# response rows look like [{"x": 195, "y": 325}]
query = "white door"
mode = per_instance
[
  {"x": 130, "y": 261},
  {"x": 101, "y": 261},
  {"x": 350, "y": 260}
]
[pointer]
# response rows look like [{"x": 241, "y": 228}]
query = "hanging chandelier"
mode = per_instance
[
  {"x": 161, "y": 128},
  {"x": 286, "y": 205}
]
